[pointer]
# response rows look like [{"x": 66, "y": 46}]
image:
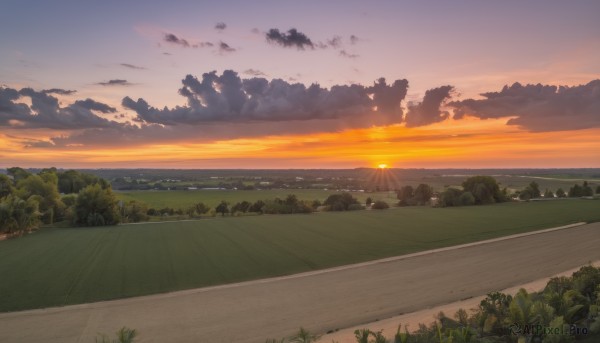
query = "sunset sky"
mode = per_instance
[{"x": 302, "y": 84}]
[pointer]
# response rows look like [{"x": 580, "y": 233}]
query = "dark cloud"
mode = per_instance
[
  {"x": 171, "y": 38},
  {"x": 254, "y": 72},
  {"x": 58, "y": 91},
  {"x": 538, "y": 107},
  {"x": 228, "y": 98},
  {"x": 220, "y": 26},
  {"x": 46, "y": 112},
  {"x": 225, "y": 48},
  {"x": 131, "y": 66},
  {"x": 343, "y": 53},
  {"x": 291, "y": 39},
  {"x": 115, "y": 82},
  {"x": 428, "y": 111}
]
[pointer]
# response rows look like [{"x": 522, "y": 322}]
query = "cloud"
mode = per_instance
[
  {"x": 335, "y": 42},
  {"x": 538, "y": 107},
  {"x": 220, "y": 26},
  {"x": 58, "y": 91},
  {"x": 293, "y": 38},
  {"x": 354, "y": 39},
  {"x": 254, "y": 72},
  {"x": 173, "y": 39},
  {"x": 115, "y": 82},
  {"x": 225, "y": 48},
  {"x": 343, "y": 53},
  {"x": 131, "y": 66},
  {"x": 228, "y": 98},
  {"x": 46, "y": 112},
  {"x": 428, "y": 111}
]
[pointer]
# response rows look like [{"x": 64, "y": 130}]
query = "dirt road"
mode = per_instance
[{"x": 253, "y": 311}]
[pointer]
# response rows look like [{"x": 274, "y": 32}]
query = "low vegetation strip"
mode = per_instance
[{"x": 61, "y": 266}]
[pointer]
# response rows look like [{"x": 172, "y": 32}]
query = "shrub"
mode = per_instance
[{"x": 380, "y": 205}]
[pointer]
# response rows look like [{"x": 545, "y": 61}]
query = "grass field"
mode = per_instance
[
  {"x": 183, "y": 199},
  {"x": 61, "y": 266}
]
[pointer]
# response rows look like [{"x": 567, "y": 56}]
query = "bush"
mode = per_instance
[
  {"x": 380, "y": 205},
  {"x": 355, "y": 207},
  {"x": 466, "y": 199},
  {"x": 340, "y": 201}
]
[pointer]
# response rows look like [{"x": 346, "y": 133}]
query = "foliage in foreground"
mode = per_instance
[
  {"x": 567, "y": 310},
  {"x": 124, "y": 335}
]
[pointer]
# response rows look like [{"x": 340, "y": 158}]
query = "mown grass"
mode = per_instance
[
  {"x": 184, "y": 199},
  {"x": 61, "y": 266}
]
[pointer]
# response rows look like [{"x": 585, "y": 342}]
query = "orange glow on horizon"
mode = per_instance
[{"x": 466, "y": 143}]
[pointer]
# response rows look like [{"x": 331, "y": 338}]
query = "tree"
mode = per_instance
[
  {"x": 466, "y": 199},
  {"x": 18, "y": 215},
  {"x": 257, "y": 207},
  {"x": 535, "y": 190},
  {"x": 587, "y": 190},
  {"x": 135, "y": 212},
  {"x": 485, "y": 189},
  {"x": 451, "y": 197},
  {"x": 548, "y": 194},
  {"x": 49, "y": 199},
  {"x": 240, "y": 207},
  {"x": 369, "y": 201},
  {"x": 18, "y": 173},
  {"x": 598, "y": 190},
  {"x": 96, "y": 206},
  {"x": 560, "y": 193},
  {"x": 340, "y": 201},
  {"x": 380, "y": 205},
  {"x": 201, "y": 208},
  {"x": 405, "y": 195},
  {"x": 576, "y": 191},
  {"x": 222, "y": 208},
  {"x": 423, "y": 194},
  {"x": 6, "y": 186}
]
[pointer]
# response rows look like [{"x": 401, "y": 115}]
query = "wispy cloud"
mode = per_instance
[{"x": 115, "y": 82}]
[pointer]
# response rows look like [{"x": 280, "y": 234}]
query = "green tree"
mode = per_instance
[
  {"x": 423, "y": 194},
  {"x": 548, "y": 194},
  {"x": 201, "y": 208},
  {"x": 18, "y": 173},
  {"x": 576, "y": 191},
  {"x": 535, "y": 190},
  {"x": 50, "y": 204},
  {"x": 405, "y": 195},
  {"x": 560, "y": 193},
  {"x": 222, "y": 208},
  {"x": 18, "y": 215},
  {"x": 466, "y": 199},
  {"x": 135, "y": 212},
  {"x": 340, "y": 201},
  {"x": 96, "y": 206},
  {"x": 451, "y": 197},
  {"x": 369, "y": 201},
  {"x": 485, "y": 189},
  {"x": 257, "y": 207},
  {"x": 598, "y": 190},
  {"x": 6, "y": 186}
]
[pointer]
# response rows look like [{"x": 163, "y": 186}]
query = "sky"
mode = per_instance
[{"x": 310, "y": 84}]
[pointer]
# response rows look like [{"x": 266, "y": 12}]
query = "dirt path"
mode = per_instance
[{"x": 321, "y": 301}]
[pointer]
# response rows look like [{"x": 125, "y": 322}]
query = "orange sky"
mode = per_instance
[{"x": 467, "y": 143}]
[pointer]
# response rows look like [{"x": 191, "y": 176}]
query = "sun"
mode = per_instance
[{"x": 382, "y": 166}]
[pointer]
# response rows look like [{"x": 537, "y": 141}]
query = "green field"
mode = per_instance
[
  {"x": 61, "y": 266},
  {"x": 183, "y": 199}
]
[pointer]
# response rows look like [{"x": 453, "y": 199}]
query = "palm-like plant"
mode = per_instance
[
  {"x": 304, "y": 336},
  {"x": 362, "y": 335},
  {"x": 124, "y": 335}
]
